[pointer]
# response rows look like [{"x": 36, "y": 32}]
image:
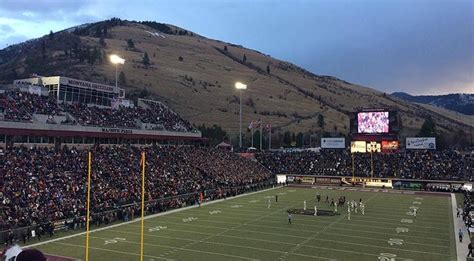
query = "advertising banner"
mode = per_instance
[
  {"x": 421, "y": 143},
  {"x": 333, "y": 143},
  {"x": 358, "y": 146},
  {"x": 390, "y": 146},
  {"x": 374, "y": 146}
]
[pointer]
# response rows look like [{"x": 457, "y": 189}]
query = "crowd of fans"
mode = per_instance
[
  {"x": 43, "y": 184},
  {"x": 104, "y": 117},
  {"x": 430, "y": 164},
  {"x": 162, "y": 115},
  {"x": 20, "y": 106}
]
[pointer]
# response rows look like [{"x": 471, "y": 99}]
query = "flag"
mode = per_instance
[
  {"x": 251, "y": 125},
  {"x": 257, "y": 124}
]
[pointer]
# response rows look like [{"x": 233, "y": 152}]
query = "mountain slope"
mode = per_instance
[
  {"x": 460, "y": 102},
  {"x": 195, "y": 76}
]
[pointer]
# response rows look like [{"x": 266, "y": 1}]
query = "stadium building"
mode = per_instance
[
  {"x": 60, "y": 110},
  {"x": 72, "y": 90}
]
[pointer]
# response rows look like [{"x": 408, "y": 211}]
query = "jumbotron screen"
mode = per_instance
[{"x": 373, "y": 122}]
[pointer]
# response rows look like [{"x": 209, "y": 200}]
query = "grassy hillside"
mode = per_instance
[{"x": 195, "y": 76}]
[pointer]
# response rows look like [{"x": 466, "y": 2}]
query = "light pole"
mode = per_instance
[
  {"x": 115, "y": 59},
  {"x": 240, "y": 86}
]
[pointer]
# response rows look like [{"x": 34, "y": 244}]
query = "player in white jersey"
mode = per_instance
[
  {"x": 335, "y": 206},
  {"x": 348, "y": 211},
  {"x": 315, "y": 210},
  {"x": 414, "y": 212},
  {"x": 269, "y": 203},
  {"x": 304, "y": 205},
  {"x": 362, "y": 208}
]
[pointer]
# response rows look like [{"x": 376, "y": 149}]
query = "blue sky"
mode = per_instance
[{"x": 416, "y": 46}]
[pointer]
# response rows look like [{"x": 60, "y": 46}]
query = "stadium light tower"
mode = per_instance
[
  {"x": 240, "y": 86},
  {"x": 115, "y": 59}
]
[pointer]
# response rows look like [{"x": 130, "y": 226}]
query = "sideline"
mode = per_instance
[
  {"x": 148, "y": 217},
  {"x": 461, "y": 248}
]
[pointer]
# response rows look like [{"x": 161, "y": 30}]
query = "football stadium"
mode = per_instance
[
  {"x": 155, "y": 190},
  {"x": 139, "y": 140}
]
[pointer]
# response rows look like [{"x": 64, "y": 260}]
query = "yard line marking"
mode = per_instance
[
  {"x": 284, "y": 256},
  {"x": 110, "y": 250},
  {"x": 223, "y": 244},
  {"x": 392, "y": 241},
  {"x": 182, "y": 248},
  {"x": 419, "y": 228},
  {"x": 302, "y": 237},
  {"x": 281, "y": 228}
]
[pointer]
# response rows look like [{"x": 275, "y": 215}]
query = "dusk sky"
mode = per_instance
[{"x": 416, "y": 46}]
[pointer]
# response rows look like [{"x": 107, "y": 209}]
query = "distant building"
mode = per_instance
[{"x": 71, "y": 90}]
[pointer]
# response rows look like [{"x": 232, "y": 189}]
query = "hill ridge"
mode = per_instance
[{"x": 194, "y": 75}]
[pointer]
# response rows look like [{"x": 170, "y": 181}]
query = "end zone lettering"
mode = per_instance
[{"x": 110, "y": 130}]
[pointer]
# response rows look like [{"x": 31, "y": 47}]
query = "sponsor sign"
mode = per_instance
[
  {"x": 421, "y": 143},
  {"x": 90, "y": 85},
  {"x": 113, "y": 130},
  {"x": 333, "y": 143},
  {"x": 358, "y": 146},
  {"x": 374, "y": 146},
  {"x": 390, "y": 146}
]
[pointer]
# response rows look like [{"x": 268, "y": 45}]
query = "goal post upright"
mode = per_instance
[
  {"x": 142, "y": 225},
  {"x": 89, "y": 160}
]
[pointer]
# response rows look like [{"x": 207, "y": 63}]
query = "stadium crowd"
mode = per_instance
[
  {"x": 433, "y": 165},
  {"x": 20, "y": 106},
  {"x": 41, "y": 185}
]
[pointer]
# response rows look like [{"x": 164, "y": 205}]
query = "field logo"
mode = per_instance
[
  {"x": 215, "y": 212},
  {"x": 114, "y": 240},
  {"x": 406, "y": 220},
  {"x": 401, "y": 230},
  {"x": 157, "y": 228},
  {"x": 189, "y": 219},
  {"x": 387, "y": 257},
  {"x": 395, "y": 241}
]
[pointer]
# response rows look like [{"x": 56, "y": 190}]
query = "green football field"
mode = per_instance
[{"x": 244, "y": 228}]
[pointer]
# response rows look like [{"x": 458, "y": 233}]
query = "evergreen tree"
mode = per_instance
[
  {"x": 287, "y": 138},
  {"x": 146, "y": 60},
  {"x": 130, "y": 43},
  {"x": 51, "y": 35},
  {"x": 102, "y": 42},
  {"x": 245, "y": 58},
  {"x": 122, "y": 80},
  {"x": 321, "y": 122},
  {"x": 268, "y": 69},
  {"x": 105, "y": 31},
  {"x": 428, "y": 129},
  {"x": 225, "y": 48}
]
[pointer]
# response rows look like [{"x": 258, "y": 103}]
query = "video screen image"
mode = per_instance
[{"x": 372, "y": 122}]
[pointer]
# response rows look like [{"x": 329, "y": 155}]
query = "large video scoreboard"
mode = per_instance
[{"x": 374, "y": 130}]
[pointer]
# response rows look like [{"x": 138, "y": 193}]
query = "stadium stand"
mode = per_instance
[
  {"x": 43, "y": 185},
  {"x": 426, "y": 164},
  {"x": 21, "y": 107}
]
